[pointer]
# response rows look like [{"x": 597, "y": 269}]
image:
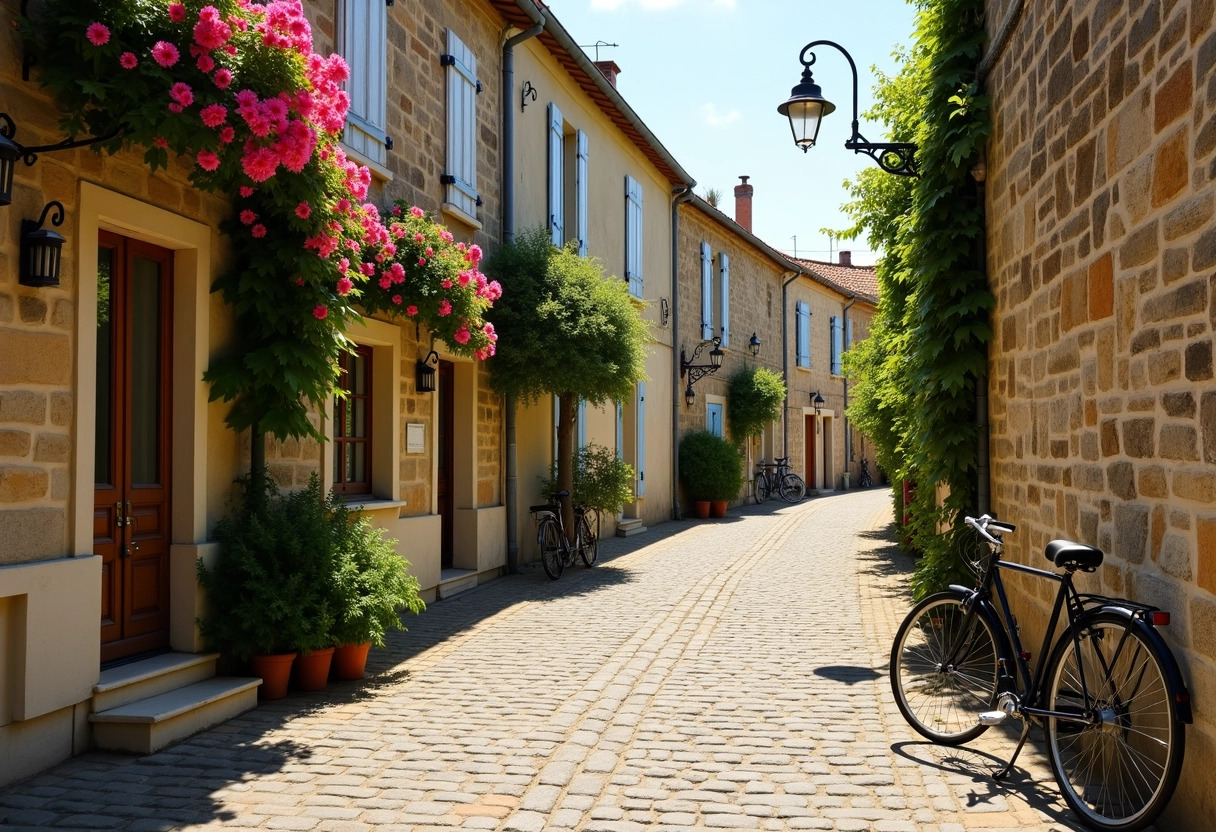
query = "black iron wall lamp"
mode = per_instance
[
  {"x": 426, "y": 373},
  {"x": 41, "y": 249},
  {"x": 696, "y": 372},
  {"x": 754, "y": 343},
  {"x": 806, "y": 107}
]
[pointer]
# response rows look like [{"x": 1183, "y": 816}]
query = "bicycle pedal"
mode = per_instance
[{"x": 993, "y": 717}]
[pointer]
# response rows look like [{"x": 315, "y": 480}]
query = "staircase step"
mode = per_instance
[
  {"x": 455, "y": 581},
  {"x": 132, "y": 682},
  {"x": 628, "y": 528},
  {"x": 158, "y": 721}
]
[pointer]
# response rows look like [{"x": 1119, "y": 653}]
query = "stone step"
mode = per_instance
[
  {"x": 158, "y": 721},
  {"x": 132, "y": 682},
  {"x": 455, "y": 581},
  {"x": 628, "y": 528}
]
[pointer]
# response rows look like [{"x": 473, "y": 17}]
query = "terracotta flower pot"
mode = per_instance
[
  {"x": 350, "y": 661},
  {"x": 275, "y": 670},
  {"x": 717, "y": 508},
  {"x": 312, "y": 669},
  {"x": 702, "y": 508}
]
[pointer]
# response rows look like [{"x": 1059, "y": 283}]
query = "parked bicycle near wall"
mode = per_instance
[
  {"x": 556, "y": 552},
  {"x": 776, "y": 478},
  {"x": 1107, "y": 692},
  {"x": 863, "y": 479}
]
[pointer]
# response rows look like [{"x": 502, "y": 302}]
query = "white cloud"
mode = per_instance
[
  {"x": 713, "y": 118},
  {"x": 656, "y": 5}
]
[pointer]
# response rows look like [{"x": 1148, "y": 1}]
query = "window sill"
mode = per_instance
[
  {"x": 378, "y": 170},
  {"x": 371, "y": 503},
  {"x": 467, "y": 219}
]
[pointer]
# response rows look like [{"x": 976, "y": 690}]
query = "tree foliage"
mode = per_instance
[
  {"x": 756, "y": 396},
  {"x": 603, "y": 482},
  {"x": 916, "y": 377}
]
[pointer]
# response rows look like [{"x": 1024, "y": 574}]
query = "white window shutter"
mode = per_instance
[
  {"x": 633, "y": 236},
  {"x": 557, "y": 191},
  {"x": 580, "y": 192},
  {"x": 724, "y": 259},
  {"x": 461, "y": 176},
  {"x": 707, "y": 293},
  {"x": 641, "y": 440},
  {"x": 363, "y": 38}
]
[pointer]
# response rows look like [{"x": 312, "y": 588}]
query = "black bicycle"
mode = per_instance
[
  {"x": 1108, "y": 694},
  {"x": 776, "y": 478},
  {"x": 556, "y": 552},
  {"x": 864, "y": 480}
]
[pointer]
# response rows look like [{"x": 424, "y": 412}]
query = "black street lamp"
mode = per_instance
[
  {"x": 695, "y": 372},
  {"x": 806, "y": 107},
  {"x": 41, "y": 248},
  {"x": 754, "y": 343}
]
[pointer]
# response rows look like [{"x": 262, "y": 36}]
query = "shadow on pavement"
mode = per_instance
[{"x": 849, "y": 674}]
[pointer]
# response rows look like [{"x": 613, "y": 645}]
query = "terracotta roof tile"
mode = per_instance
[{"x": 855, "y": 280}]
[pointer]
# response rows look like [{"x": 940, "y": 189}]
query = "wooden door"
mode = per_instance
[
  {"x": 443, "y": 479},
  {"x": 808, "y": 440},
  {"x": 131, "y": 462}
]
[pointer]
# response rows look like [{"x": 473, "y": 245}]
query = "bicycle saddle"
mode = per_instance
[{"x": 1069, "y": 555}]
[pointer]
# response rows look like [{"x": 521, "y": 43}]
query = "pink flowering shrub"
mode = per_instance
[{"x": 233, "y": 89}]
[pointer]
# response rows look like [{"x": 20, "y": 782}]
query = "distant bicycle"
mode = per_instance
[
  {"x": 864, "y": 481},
  {"x": 556, "y": 552},
  {"x": 776, "y": 478}
]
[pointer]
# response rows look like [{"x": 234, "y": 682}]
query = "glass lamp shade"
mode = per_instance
[
  {"x": 689, "y": 396},
  {"x": 715, "y": 357},
  {"x": 41, "y": 253},
  {"x": 426, "y": 377},
  {"x": 805, "y": 109},
  {"x": 754, "y": 343}
]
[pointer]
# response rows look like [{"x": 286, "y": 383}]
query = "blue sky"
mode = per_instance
[{"x": 706, "y": 77}]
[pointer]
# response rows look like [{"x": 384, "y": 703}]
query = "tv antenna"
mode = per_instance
[{"x": 596, "y": 46}]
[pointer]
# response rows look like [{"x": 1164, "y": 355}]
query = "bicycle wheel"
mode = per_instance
[
  {"x": 793, "y": 489},
  {"x": 551, "y": 550},
  {"x": 1118, "y": 772},
  {"x": 762, "y": 489},
  {"x": 588, "y": 543},
  {"x": 943, "y": 702}
]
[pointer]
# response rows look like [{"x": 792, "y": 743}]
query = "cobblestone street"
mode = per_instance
[{"x": 712, "y": 674}]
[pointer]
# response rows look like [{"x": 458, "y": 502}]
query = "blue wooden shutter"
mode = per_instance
[
  {"x": 724, "y": 267},
  {"x": 556, "y": 177},
  {"x": 803, "y": 318},
  {"x": 837, "y": 336},
  {"x": 581, "y": 435},
  {"x": 707, "y": 293},
  {"x": 641, "y": 440},
  {"x": 633, "y": 236},
  {"x": 580, "y": 193},
  {"x": 363, "y": 42},
  {"x": 461, "y": 176}
]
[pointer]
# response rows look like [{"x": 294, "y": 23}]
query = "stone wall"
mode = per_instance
[{"x": 1101, "y": 253}]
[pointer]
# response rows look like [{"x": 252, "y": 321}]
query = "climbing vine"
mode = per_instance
[{"x": 917, "y": 376}]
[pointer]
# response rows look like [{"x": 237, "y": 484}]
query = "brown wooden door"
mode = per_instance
[
  {"x": 131, "y": 462},
  {"x": 809, "y": 441},
  {"x": 443, "y": 481}
]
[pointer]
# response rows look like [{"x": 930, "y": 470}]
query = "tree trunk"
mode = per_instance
[{"x": 566, "y": 409}]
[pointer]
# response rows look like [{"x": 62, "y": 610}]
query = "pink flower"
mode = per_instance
[
  {"x": 303, "y": 211},
  {"x": 397, "y": 300},
  {"x": 182, "y": 94},
  {"x": 345, "y": 284},
  {"x": 430, "y": 252},
  {"x": 418, "y": 238},
  {"x": 343, "y": 266},
  {"x": 248, "y": 217},
  {"x": 258, "y": 230},
  {"x": 415, "y": 211},
  {"x": 127, "y": 60},
  {"x": 488, "y": 329},
  {"x": 98, "y": 34},
  {"x": 385, "y": 282},
  {"x": 177, "y": 12},
  {"x": 464, "y": 278},
  {"x": 161, "y": 142},
  {"x": 447, "y": 283},
  {"x": 461, "y": 335},
  {"x": 211, "y": 32},
  {"x": 174, "y": 107},
  {"x": 222, "y": 78},
  {"x": 227, "y": 134},
  {"x": 421, "y": 261},
  {"x": 246, "y": 191},
  {"x": 411, "y": 310},
  {"x": 396, "y": 210},
  {"x": 260, "y": 164},
  {"x": 213, "y": 115},
  {"x": 320, "y": 312},
  {"x": 446, "y": 236},
  {"x": 299, "y": 281},
  {"x": 445, "y": 308},
  {"x": 205, "y": 63},
  {"x": 165, "y": 53},
  {"x": 474, "y": 253},
  {"x": 208, "y": 160}
]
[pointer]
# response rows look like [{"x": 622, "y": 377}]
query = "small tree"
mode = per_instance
[
  {"x": 563, "y": 330},
  {"x": 756, "y": 395}
]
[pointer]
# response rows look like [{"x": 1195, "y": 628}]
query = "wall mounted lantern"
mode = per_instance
[
  {"x": 426, "y": 373},
  {"x": 10, "y": 152},
  {"x": 806, "y": 107},
  {"x": 696, "y": 372},
  {"x": 818, "y": 401},
  {"x": 41, "y": 249},
  {"x": 754, "y": 343}
]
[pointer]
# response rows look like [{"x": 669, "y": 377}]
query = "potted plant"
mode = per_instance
[
  {"x": 710, "y": 469},
  {"x": 603, "y": 482},
  {"x": 371, "y": 584},
  {"x": 268, "y": 591}
]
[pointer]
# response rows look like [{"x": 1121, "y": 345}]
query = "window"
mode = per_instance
[
  {"x": 363, "y": 40},
  {"x": 715, "y": 296},
  {"x": 580, "y": 191},
  {"x": 353, "y": 424},
  {"x": 713, "y": 418},
  {"x": 802, "y": 317},
  {"x": 837, "y": 344},
  {"x": 633, "y": 236},
  {"x": 557, "y": 217},
  {"x": 463, "y": 87}
]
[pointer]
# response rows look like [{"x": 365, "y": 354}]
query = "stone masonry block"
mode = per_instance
[
  {"x": 1181, "y": 405},
  {"x": 1138, "y": 438},
  {"x": 1178, "y": 442},
  {"x": 53, "y": 447},
  {"x": 32, "y": 534},
  {"x": 23, "y": 406},
  {"x": 1200, "y": 487},
  {"x": 1140, "y": 248},
  {"x": 1199, "y": 360},
  {"x": 1206, "y": 553},
  {"x": 1207, "y": 423},
  {"x": 1188, "y": 299},
  {"x": 23, "y": 484},
  {"x": 1173, "y": 98},
  {"x": 1101, "y": 288},
  {"x": 1122, "y": 479},
  {"x": 1189, "y": 216},
  {"x": 1152, "y": 482},
  {"x": 1171, "y": 169},
  {"x": 54, "y": 364},
  {"x": 1110, "y": 437},
  {"x": 15, "y": 443},
  {"x": 1131, "y": 532},
  {"x": 61, "y": 409}
]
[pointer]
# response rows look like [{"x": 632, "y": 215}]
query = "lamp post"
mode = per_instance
[
  {"x": 806, "y": 108},
  {"x": 695, "y": 372}
]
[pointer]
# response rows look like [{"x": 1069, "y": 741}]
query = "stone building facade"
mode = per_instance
[{"x": 1100, "y": 201}]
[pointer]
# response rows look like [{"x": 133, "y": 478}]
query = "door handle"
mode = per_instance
[{"x": 119, "y": 520}]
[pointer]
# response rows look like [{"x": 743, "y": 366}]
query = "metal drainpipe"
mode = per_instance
[
  {"x": 680, "y": 195},
  {"x": 982, "y": 496},
  {"x": 848, "y": 441},
  {"x": 508, "y": 235},
  {"x": 788, "y": 278}
]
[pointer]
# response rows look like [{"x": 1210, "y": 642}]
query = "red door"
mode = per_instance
[
  {"x": 809, "y": 441},
  {"x": 131, "y": 462},
  {"x": 443, "y": 481}
]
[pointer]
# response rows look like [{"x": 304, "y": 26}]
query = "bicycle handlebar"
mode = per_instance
[{"x": 985, "y": 521}]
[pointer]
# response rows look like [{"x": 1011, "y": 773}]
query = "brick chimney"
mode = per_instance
[
  {"x": 743, "y": 204},
  {"x": 846, "y": 258},
  {"x": 609, "y": 70}
]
